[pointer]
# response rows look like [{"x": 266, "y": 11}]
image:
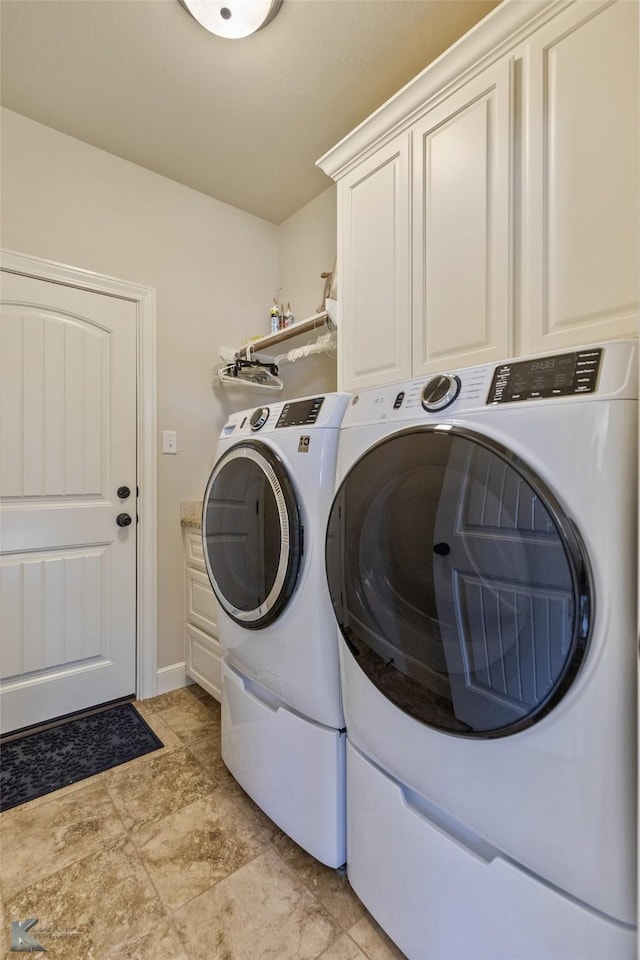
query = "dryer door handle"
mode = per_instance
[{"x": 441, "y": 549}]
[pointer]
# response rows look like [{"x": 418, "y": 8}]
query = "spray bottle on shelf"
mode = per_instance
[
  {"x": 275, "y": 316},
  {"x": 288, "y": 316}
]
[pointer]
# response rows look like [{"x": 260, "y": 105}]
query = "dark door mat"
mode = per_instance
[{"x": 46, "y": 760}]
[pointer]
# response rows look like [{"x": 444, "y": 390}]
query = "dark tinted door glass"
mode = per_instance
[
  {"x": 459, "y": 586},
  {"x": 251, "y": 534}
]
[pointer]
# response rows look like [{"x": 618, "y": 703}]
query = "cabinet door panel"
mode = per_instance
[
  {"x": 374, "y": 334},
  {"x": 462, "y": 226},
  {"x": 581, "y": 218},
  {"x": 194, "y": 551},
  {"x": 204, "y": 660},
  {"x": 201, "y": 607}
]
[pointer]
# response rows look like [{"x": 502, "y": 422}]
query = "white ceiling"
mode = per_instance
[{"x": 240, "y": 120}]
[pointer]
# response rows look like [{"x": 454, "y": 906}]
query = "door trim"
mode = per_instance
[{"x": 147, "y": 561}]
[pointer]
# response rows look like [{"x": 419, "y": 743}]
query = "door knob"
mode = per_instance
[
  {"x": 123, "y": 493},
  {"x": 123, "y": 519}
]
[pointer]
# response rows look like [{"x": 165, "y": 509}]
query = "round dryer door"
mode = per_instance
[
  {"x": 251, "y": 534},
  {"x": 460, "y": 587}
]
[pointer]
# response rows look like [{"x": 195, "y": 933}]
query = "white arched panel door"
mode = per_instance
[{"x": 68, "y": 361}]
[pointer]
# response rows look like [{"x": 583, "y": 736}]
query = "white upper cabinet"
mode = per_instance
[
  {"x": 580, "y": 223},
  {"x": 374, "y": 274},
  {"x": 490, "y": 209},
  {"x": 462, "y": 181}
]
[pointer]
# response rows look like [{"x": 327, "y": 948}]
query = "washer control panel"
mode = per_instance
[
  {"x": 557, "y": 376},
  {"x": 319, "y": 413},
  {"x": 300, "y": 413},
  {"x": 259, "y": 417}
]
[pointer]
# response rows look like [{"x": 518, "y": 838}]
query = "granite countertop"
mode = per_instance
[{"x": 191, "y": 513}]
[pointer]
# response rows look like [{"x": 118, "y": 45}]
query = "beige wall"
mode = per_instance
[
  {"x": 307, "y": 242},
  {"x": 215, "y": 270},
  {"x": 306, "y": 248}
]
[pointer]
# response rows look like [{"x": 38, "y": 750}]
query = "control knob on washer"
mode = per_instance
[
  {"x": 440, "y": 392},
  {"x": 259, "y": 417}
]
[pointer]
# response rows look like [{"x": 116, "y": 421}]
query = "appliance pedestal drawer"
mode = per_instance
[
  {"x": 292, "y": 768},
  {"x": 458, "y": 896}
]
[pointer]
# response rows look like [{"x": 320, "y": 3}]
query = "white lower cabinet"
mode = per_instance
[{"x": 202, "y": 650}]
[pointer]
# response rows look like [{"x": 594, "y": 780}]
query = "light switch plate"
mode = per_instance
[{"x": 169, "y": 441}]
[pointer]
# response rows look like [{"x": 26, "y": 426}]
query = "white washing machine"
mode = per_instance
[
  {"x": 481, "y": 559},
  {"x": 264, "y": 520}
]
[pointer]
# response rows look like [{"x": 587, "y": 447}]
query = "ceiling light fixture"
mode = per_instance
[{"x": 232, "y": 19}]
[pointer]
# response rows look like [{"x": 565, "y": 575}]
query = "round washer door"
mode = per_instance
[
  {"x": 251, "y": 533},
  {"x": 461, "y": 588}
]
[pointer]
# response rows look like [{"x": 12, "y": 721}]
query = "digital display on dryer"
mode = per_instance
[
  {"x": 300, "y": 413},
  {"x": 559, "y": 376}
]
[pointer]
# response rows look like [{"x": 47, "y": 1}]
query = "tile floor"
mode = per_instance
[{"x": 166, "y": 858}]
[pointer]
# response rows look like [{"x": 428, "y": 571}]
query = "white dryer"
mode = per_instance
[
  {"x": 481, "y": 559},
  {"x": 264, "y": 520}
]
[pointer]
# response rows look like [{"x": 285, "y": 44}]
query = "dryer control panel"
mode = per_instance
[
  {"x": 607, "y": 370},
  {"x": 551, "y": 376}
]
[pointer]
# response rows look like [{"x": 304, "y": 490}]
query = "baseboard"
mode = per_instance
[{"x": 172, "y": 678}]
